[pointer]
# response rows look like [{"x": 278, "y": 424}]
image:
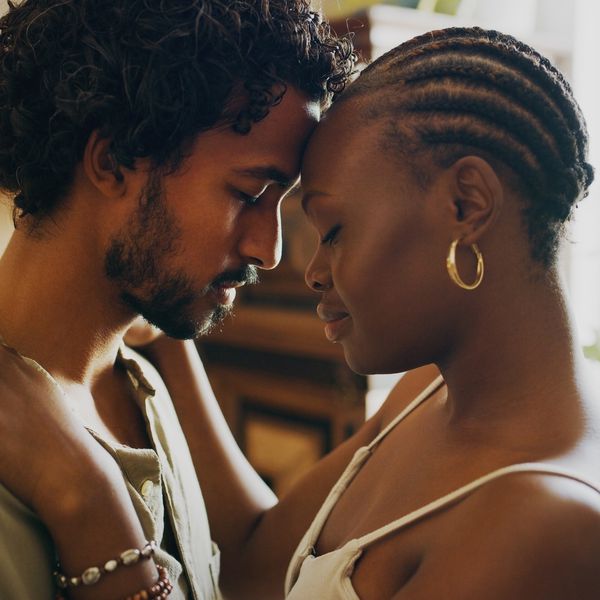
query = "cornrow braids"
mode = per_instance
[
  {"x": 462, "y": 91},
  {"x": 149, "y": 75}
]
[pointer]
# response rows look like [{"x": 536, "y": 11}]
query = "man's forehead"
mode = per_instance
[{"x": 272, "y": 150}]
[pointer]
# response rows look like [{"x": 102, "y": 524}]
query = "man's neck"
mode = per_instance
[{"x": 57, "y": 307}]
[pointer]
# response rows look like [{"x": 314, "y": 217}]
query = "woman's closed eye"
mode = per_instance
[{"x": 331, "y": 235}]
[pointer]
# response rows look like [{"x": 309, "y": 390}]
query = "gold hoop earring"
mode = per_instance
[{"x": 453, "y": 271}]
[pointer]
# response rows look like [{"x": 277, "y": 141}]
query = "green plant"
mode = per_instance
[{"x": 593, "y": 350}]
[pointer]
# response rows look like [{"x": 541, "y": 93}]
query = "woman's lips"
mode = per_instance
[
  {"x": 336, "y": 321},
  {"x": 335, "y": 329}
]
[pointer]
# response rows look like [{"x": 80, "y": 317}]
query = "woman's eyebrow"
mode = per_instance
[{"x": 307, "y": 196}]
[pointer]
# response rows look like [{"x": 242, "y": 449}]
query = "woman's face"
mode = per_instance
[{"x": 380, "y": 261}]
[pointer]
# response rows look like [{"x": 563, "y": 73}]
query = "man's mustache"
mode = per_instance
[{"x": 247, "y": 275}]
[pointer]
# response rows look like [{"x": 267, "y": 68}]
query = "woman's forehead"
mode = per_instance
[{"x": 342, "y": 138}]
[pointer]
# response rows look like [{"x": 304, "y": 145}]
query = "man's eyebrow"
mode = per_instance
[{"x": 269, "y": 173}]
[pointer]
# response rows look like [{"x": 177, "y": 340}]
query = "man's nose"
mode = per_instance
[{"x": 261, "y": 241}]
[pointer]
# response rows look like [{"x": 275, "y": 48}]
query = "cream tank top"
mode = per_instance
[{"x": 328, "y": 576}]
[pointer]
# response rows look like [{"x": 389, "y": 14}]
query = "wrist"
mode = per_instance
[
  {"x": 165, "y": 351},
  {"x": 92, "y": 521},
  {"x": 76, "y": 482}
]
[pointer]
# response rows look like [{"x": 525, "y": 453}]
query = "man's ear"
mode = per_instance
[
  {"x": 477, "y": 196},
  {"x": 101, "y": 168}
]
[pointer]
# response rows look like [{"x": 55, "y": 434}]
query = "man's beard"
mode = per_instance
[{"x": 135, "y": 261}]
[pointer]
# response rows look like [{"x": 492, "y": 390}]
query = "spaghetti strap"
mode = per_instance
[
  {"x": 333, "y": 569},
  {"x": 424, "y": 395},
  {"x": 361, "y": 456},
  {"x": 464, "y": 491}
]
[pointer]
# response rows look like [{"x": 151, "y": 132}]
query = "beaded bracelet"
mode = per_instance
[
  {"x": 157, "y": 591},
  {"x": 93, "y": 575}
]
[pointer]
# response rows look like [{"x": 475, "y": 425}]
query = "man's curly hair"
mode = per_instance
[{"x": 147, "y": 74}]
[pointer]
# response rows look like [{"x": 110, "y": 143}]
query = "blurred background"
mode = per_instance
[{"x": 286, "y": 392}]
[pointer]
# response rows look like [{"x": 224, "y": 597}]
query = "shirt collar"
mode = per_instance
[{"x": 126, "y": 356}]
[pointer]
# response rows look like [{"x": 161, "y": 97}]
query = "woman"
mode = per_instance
[{"x": 439, "y": 185}]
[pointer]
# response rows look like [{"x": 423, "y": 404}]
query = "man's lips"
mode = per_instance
[
  {"x": 247, "y": 275},
  {"x": 225, "y": 291},
  {"x": 230, "y": 284},
  {"x": 336, "y": 321}
]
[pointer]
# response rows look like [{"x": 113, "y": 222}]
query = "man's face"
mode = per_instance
[{"x": 198, "y": 233}]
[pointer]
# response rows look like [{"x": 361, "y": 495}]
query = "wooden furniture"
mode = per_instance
[{"x": 286, "y": 392}]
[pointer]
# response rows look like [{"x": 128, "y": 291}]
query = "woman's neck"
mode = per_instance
[{"x": 517, "y": 370}]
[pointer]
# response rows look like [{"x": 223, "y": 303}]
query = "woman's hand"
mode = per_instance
[
  {"x": 48, "y": 457},
  {"x": 42, "y": 438},
  {"x": 52, "y": 464},
  {"x": 141, "y": 333},
  {"x": 153, "y": 344}
]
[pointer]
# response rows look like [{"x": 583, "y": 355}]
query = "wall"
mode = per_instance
[{"x": 584, "y": 277}]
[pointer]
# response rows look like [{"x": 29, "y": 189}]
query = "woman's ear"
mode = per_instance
[
  {"x": 101, "y": 168},
  {"x": 477, "y": 198}
]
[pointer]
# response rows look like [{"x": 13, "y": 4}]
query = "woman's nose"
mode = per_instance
[{"x": 317, "y": 276}]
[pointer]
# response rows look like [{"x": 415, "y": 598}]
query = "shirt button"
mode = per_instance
[{"x": 147, "y": 488}]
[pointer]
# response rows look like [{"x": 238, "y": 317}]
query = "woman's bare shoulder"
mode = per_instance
[{"x": 524, "y": 536}]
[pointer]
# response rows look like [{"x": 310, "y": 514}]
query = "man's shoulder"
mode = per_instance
[{"x": 24, "y": 540}]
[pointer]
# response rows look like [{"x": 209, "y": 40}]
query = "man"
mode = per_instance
[{"x": 147, "y": 146}]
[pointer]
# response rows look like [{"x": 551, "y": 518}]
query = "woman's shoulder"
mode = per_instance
[
  {"x": 529, "y": 500},
  {"x": 525, "y": 535}
]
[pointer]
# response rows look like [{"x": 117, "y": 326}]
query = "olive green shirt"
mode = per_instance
[{"x": 164, "y": 490}]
